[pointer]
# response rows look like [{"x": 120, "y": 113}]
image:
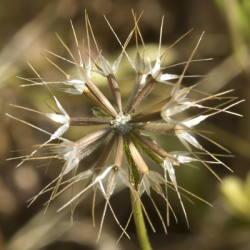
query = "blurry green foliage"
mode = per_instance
[{"x": 236, "y": 196}]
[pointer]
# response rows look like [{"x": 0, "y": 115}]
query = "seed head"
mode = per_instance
[{"x": 126, "y": 129}]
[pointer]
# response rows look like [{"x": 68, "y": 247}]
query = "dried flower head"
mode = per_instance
[{"x": 126, "y": 129}]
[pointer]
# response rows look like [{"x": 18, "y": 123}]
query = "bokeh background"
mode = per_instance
[{"x": 28, "y": 27}]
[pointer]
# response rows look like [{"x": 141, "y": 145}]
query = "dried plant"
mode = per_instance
[{"x": 126, "y": 130}]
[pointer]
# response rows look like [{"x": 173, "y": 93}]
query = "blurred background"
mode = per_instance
[{"x": 28, "y": 27}]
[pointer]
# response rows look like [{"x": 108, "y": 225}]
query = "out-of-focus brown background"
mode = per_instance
[{"x": 28, "y": 27}]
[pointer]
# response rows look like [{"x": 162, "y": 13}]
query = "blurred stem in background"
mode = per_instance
[
  {"x": 237, "y": 15},
  {"x": 236, "y": 193}
]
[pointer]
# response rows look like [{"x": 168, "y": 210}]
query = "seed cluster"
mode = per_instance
[{"x": 126, "y": 129}]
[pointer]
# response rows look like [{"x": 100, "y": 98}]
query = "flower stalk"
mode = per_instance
[{"x": 140, "y": 224}]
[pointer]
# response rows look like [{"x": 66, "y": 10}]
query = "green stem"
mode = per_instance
[{"x": 140, "y": 224}]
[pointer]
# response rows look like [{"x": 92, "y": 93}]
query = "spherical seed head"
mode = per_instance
[{"x": 126, "y": 129}]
